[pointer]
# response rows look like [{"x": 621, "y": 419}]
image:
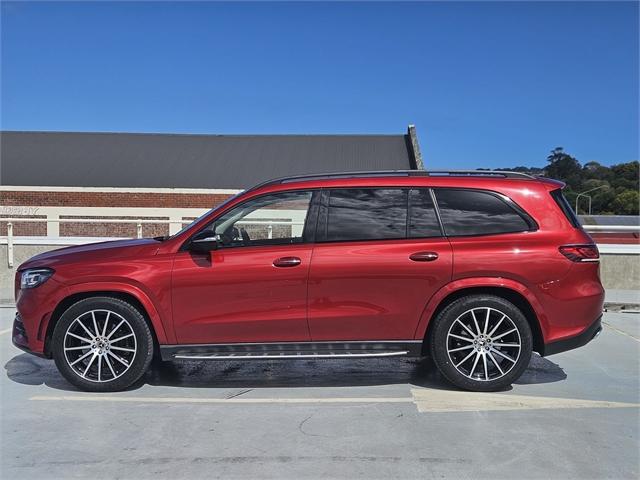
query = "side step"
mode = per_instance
[{"x": 291, "y": 350}]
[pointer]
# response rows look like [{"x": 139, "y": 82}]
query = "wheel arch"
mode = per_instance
[
  {"x": 150, "y": 314},
  {"x": 516, "y": 297}
]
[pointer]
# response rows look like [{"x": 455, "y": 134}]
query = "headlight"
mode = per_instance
[{"x": 33, "y": 277}]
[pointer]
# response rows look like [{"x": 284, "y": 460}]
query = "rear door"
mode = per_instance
[{"x": 379, "y": 257}]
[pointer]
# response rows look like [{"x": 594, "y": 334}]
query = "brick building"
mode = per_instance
[{"x": 122, "y": 182}]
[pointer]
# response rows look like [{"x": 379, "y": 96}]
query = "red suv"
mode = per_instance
[{"x": 476, "y": 269}]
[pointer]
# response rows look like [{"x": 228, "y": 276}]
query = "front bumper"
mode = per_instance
[
  {"x": 577, "y": 341},
  {"x": 35, "y": 307},
  {"x": 19, "y": 336}
]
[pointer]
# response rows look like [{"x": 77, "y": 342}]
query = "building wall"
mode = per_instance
[{"x": 37, "y": 202}]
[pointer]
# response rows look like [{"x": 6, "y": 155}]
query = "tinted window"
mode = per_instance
[
  {"x": 469, "y": 212},
  {"x": 367, "y": 214},
  {"x": 268, "y": 220},
  {"x": 565, "y": 207},
  {"x": 423, "y": 221}
]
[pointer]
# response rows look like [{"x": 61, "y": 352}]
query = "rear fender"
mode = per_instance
[{"x": 479, "y": 282}]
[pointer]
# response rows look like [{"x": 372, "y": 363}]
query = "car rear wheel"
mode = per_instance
[
  {"x": 102, "y": 344},
  {"x": 481, "y": 343}
]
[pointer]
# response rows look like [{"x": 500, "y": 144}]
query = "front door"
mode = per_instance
[{"x": 254, "y": 287}]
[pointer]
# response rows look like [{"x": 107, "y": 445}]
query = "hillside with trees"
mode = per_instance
[{"x": 615, "y": 188}]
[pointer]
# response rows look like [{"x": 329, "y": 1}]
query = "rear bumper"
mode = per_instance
[{"x": 577, "y": 341}]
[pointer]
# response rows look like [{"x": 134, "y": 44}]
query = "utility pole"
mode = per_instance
[{"x": 585, "y": 194}]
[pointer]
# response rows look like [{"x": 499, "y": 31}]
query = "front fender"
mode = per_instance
[
  {"x": 479, "y": 282},
  {"x": 134, "y": 291}
]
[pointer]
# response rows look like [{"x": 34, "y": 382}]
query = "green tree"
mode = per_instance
[
  {"x": 602, "y": 201},
  {"x": 626, "y": 175},
  {"x": 622, "y": 180},
  {"x": 564, "y": 167},
  {"x": 627, "y": 203},
  {"x": 594, "y": 170}
]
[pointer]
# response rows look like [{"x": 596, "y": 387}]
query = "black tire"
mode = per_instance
[
  {"x": 499, "y": 371},
  {"x": 125, "y": 374}
]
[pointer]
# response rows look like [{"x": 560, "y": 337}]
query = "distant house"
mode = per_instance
[{"x": 165, "y": 176}]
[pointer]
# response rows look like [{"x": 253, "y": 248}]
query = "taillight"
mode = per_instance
[{"x": 580, "y": 253}]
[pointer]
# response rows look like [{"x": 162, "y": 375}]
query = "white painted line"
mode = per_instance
[
  {"x": 2, "y": 332},
  {"x": 426, "y": 400},
  {"x": 439, "y": 401},
  {"x": 620, "y": 331},
  {"x": 100, "y": 398}
]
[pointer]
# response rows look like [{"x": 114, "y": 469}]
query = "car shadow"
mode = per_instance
[{"x": 30, "y": 370}]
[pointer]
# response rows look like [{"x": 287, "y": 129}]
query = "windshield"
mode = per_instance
[{"x": 228, "y": 200}]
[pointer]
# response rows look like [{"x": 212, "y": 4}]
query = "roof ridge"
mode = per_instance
[{"x": 210, "y": 134}]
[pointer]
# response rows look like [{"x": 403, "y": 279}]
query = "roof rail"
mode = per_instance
[
  {"x": 479, "y": 173},
  {"x": 395, "y": 173}
]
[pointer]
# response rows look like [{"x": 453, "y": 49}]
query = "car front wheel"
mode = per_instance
[
  {"x": 102, "y": 344},
  {"x": 481, "y": 343}
]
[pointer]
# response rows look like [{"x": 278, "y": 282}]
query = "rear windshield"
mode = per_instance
[{"x": 565, "y": 207}]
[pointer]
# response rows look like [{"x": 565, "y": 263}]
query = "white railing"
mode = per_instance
[
  {"x": 611, "y": 228},
  {"x": 175, "y": 224},
  {"x": 10, "y": 238}
]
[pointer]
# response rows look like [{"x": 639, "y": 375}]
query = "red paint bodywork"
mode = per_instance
[{"x": 366, "y": 290}]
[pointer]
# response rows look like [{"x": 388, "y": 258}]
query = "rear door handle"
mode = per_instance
[
  {"x": 283, "y": 262},
  {"x": 423, "y": 256}
]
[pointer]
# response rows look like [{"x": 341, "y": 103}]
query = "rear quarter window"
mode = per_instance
[
  {"x": 558, "y": 197},
  {"x": 474, "y": 212}
]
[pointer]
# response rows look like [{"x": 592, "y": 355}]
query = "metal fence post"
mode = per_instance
[
  {"x": 10, "y": 244},
  {"x": 53, "y": 225},
  {"x": 175, "y": 224}
]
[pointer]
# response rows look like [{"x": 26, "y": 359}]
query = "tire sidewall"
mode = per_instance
[
  {"x": 144, "y": 343},
  {"x": 445, "y": 319}
]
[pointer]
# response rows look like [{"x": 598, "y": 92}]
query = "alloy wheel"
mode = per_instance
[
  {"x": 483, "y": 344},
  {"x": 100, "y": 345}
]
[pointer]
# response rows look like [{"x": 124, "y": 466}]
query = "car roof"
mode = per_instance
[{"x": 407, "y": 178}]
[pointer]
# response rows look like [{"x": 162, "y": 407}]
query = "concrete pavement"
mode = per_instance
[{"x": 573, "y": 415}]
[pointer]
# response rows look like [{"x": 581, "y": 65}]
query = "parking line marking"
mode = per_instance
[
  {"x": 100, "y": 398},
  {"x": 440, "y": 401},
  {"x": 426, "y": 401},
  {"x": 2, "y": 332},
  {"x": 617, "y": 330}
]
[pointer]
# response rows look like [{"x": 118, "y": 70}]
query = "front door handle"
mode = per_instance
[
  {"x": 283, "y": 262},
  {"x": 423, "y": 256}
]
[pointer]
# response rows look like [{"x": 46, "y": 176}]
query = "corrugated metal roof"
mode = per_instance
[{"x": 188, "y": 161}]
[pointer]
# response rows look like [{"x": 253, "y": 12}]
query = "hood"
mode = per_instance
[{"x": 101, "y": 251}]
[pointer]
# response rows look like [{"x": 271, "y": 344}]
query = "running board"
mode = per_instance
[{"x": 291, "y": 350}]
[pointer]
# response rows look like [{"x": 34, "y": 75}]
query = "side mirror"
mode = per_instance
[{"x": 204, "y": 242}]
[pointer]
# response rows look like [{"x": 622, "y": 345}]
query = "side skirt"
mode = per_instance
[{"x": 292, "y": 350}]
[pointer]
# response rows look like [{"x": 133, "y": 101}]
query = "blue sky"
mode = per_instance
[{"x": 487, "y": 84}]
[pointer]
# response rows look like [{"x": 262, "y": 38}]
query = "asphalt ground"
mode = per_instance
[{"x": 572, "y": 415}]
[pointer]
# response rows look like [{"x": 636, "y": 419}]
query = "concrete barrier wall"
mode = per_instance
[
  {"x": 21, "y": 253},
  {"x": 618, "y": 271}
]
